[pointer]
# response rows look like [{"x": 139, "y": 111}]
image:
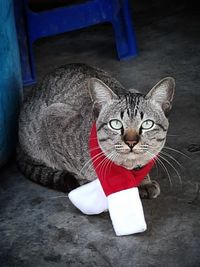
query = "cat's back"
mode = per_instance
[{"x": 69, "y": 84}]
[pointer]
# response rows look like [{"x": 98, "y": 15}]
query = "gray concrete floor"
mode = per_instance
[{"x": 39, "y": 226}]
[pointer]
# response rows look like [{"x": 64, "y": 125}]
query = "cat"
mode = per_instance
[{"x": 56, "y": 119}]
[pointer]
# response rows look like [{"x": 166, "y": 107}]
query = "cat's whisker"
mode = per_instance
[
  {"x": 156, "y": 158},
  {"x": 112, "y": 160},
  {"x": 128, "y": 149},
  {"x": 144, "y": 146},
  {"x": 141, "y": 148},
  {"x": 93, "y": 160},
  {"x": 119, "y": 147},
  {"x": 91, "y": 165},
  {"x": 103, "y": 163},
  {"x": 165, "y": 169},
  {"x": 177, "y": 151},
  {"x": 171, "y": 157},
  {"x": 162, "y": 157},
  {"x": 156, "y": 164},
  {"x": 157, "y": 167},
  {"x": 176, "y": 161},
  {"x": 168, "y": 155},
  {"x": 90, "y": 162},
  {"x": 109, "y": 162},
  {"x": 103, "y": 166},
  {"x": 118, "y": 144}
]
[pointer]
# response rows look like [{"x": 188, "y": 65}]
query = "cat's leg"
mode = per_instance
[{"x": 149, "y": 188}]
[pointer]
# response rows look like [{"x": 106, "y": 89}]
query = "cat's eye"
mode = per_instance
[
  {"x": 148, "y": 124},
  {"x": 115, "y": 124}
]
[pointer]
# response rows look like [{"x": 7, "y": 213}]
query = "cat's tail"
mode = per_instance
[{"x": 44, "y": 175}]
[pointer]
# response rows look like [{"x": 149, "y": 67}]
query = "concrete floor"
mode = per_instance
[{"x": 39, "y": 226}]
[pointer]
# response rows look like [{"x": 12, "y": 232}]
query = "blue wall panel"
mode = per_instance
[{"x": 10, "y": 81}]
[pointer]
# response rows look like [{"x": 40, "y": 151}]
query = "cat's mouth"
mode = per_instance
[{"x": 130, "y": 151}]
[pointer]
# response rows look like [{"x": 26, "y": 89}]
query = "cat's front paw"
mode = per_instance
[{"x": 150, "y": 190}]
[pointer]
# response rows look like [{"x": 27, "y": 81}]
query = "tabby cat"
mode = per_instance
[{"x": 56, "y": 119}]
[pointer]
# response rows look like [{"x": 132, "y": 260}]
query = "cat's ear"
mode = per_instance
[
  {"x": 163, "y": 93},
  {"x": 100, "y": 93}
]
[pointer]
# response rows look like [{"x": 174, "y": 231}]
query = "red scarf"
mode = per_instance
[{"x": 114, "y": 178}]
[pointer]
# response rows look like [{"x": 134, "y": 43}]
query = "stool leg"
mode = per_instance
[
  {"x": 26, "y": 53},
  {"x": 123, "y": 27}
]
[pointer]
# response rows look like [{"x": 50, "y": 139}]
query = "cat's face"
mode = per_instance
[{"x": 132, "y": 128}]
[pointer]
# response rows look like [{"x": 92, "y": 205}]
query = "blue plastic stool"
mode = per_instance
[{"x": 34, "y": 25}]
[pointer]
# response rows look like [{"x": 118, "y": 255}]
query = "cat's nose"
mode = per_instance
[
  {"x": 131, "y": 143},
  {"x": 131, "y": 138}
]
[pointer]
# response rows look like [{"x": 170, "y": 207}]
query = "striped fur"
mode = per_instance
[
  {"x": 57, "y": 116},
  {"x": 44, "y": 175}
]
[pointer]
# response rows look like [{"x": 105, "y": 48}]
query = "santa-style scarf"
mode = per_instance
[{"x": 115, "y": 190}]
